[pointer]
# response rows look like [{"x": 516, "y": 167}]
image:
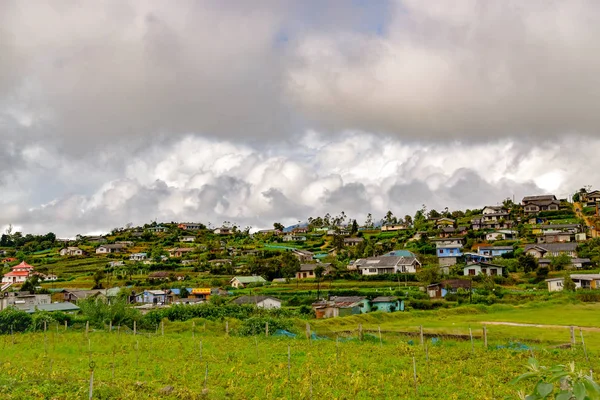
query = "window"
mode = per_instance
[
  {"x": 471, "y": 271},
  {"x": 493, "y": 271},
  {"x": 441, "y": 251}
]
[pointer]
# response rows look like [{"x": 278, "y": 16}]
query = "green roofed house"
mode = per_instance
[
  {"x": 62, "y": 307},
  {"x": 387, "y": 304},
  {"x": 239, "y": 282}
]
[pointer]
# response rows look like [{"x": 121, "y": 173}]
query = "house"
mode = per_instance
[
  {"x": 71, "y": 251},
  {"x": 156, "y": 297},
  {"x": 581, "y": 237},
  {"x": 340, "y": 306},
  {"x": 536, "y": 204},
  {"x": 582, "y": 281},
  {"x": 494, "y": 251},
  {"x": 476, "y": 224},
  {"x": 387, "y": 304},
  {"x": 592, "y": 198},
  {"x": 556, "y": 228},
  {"x": 180, "y": 251},
  {"x": 74, "y": 295},
  {"x": 551, "y": 249},
  {"x": 111, "y": 248},
  {"x": 352, "y": 242},
  {"x": 476, "y": 257},
  {"x": 294, "y": 238},
  {"x": 164, "y": 275},
  {"x": 189, "y": 226},
  {"x": 54, "y": 307},
  {"x": 440, "y": 290},
  {"x": 399, "y": 253},
  {"x": 307, "y": 271},
  {"x": 557, "y": 237},
  {"x": 266, "y": 302},
  {"x": 116, "y": 263},
  {"x": 441, "y": 222},
  {"x": 243, "y": 281},
  {"x": 577, "y": 263},
  {"x": 494, "y": 214},
  {"x": 275, "y": 232},
  {"x": 393, "y": 227},
  {"x": 482, "y": 268},
  {"x": 127, "y": 243},
  {"x": 187, "y": 239},
  {"x": 458, "y": 241},
  {"x": 23, "y": 300},
  {"x": 138, "y": 257},
  {"x": 386, "y": 265},
  {"x": 299, "y": 230},
  {"x": 448, "y": 254},
  {"x": 303, "y": 255},
  {"x": 338, "y": 232},
  {"x": 157, "y": 229},
  {"x": 500, "y": 235},
  {"x": 223, "y": 231},
  {"x": 19, "y": 273},
  {"x": 93, "y": 239}
]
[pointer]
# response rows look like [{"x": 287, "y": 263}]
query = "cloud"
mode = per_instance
[{"x": 457, "y": 70}]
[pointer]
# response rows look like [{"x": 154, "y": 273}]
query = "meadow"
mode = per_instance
[{"x": 196, "y": 359}]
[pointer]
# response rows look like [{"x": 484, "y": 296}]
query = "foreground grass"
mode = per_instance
[{"x": 57, "y": 365}]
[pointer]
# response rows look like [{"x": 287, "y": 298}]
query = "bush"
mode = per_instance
[
  {"x": 588, "y": 296},
  {"x": 256, "y": 325},
  {"x": 20, "y": 321}
]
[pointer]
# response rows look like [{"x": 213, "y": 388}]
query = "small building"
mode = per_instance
[
  {"x": 482, "y": 268},
  {"x": 441, "y": 222},
  {"x": 157, "y": 229},
  {"x": 303, "y": 255},
  {"x": 223, "y": 231},
  {"x": 393, "y": 227},
  {"x": 180, "y": 251},
  {"x": 546, "y": 250},
  {"x": 19, "y": 273},
  {"x": 266, "y": 302},
  {"x": 156, "y": 297},
  {"x": 23, "y": 300},
  {"x": 138, "y": 257},
  {"x": 74, "y": 295},
  {"x": 71, "y": 252},
  {"x": 111, "y": 248},
  {"x": 582, "y": 281},
  {"x": 341, "y": 306},
  {"x": 190, "y": 226},
  {"x": 239, "y": 282},
  {"x": 353, "y": 242},
  {"x": 307, "y": 271},
  {"x": 127, "y": 243},
  {"x": 119, "y": 263},
  {"x": 386, "y": 265},
  {"x": 187, "y": 239},
  {"x": 440, "y": 290},
  {"x": 387, "y": 304},
  {"x": 448, "y": 254},
  {"x": 294, "y": 238},
  {"x": 494, "y": 251},
  {"x": 536, "y": 204}
]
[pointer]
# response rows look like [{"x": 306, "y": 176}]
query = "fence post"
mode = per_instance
[
  {"x": 421, "y": 334},
  {"x": 110, "y": 326},
  {"x": 134, "y": 328},
  {"x": 572, "y": 328},
  {"x": 485, "y": 343},
  {"x": 267, "y": 329},
  {"x": 360, "y": 332},
  {"x": 308, "y": 332},
  {"x": 472, "y": 344},
  {"x": 87, "y": 328},
  {"x": 65, "y": 325},
  {"x": 227, "y": 328}
]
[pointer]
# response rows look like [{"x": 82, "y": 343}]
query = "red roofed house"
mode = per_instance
[{"x": 19, "y": 273}]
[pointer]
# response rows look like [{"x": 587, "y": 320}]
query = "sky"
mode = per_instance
[{"x": 127, "y": 111}]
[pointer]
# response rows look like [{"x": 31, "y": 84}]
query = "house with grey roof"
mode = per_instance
[
  {"x": 545, "y": 250},
  {"x": 266, "y": 302},
  {"x": 307, "y": 271},
  {"x": 536, "y": 204},
  {"x": 340, "y": 306},
  {"x": 111, "y": 248},
  {"x": 386, "y": 265}
]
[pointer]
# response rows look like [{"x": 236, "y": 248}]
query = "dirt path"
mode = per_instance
[
  {"x": 583, "y": 328},
  {"x": 579, "y": 212}
]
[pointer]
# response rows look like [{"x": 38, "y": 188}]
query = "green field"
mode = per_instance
[{"x": 334, "y": 364}]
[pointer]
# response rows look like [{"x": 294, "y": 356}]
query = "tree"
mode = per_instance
[
  {"x": 354, "y": 229},
  {"x": 568, "y": 284},
  {"x": 433, "y": 214},
  {"x": 369, "y": 221},
  {"x": 408, "y": 219},
  {"x": 338, "y": 242},
  {"x": 527, "y": 262},
  {"x": 99, "y": 275},
  {"x": 319, "y": 274},
  {"x": 560, "y": 262},
  {"x": 290, "y": 265},
  {"x": 30, "y": 284},
  {"x": 278, "y": 226},
  {"x": 428, "y": 275}
]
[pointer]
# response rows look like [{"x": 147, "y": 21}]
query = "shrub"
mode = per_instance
[
  {"x": 20, "y": 321},
  {"x": 256, "y": 325}
]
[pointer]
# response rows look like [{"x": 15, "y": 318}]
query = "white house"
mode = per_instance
[
  {"x": 544, "y": 250},
  {"x": 187, "y": 239},
  {"x": 386, "y": 265},
  {"x": 294, "y": 238},
  {"x": 482, "y": 268},
  {"x": 266, "y": 302},
  {"x": 582, "y": 281},
  {"x": 111, "y": 248},
  {"x": 138, "y": 257},
  {"x": 71, "y": 251},
  {"x": 393, "y": 227}
]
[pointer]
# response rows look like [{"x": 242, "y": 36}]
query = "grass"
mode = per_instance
[{"x": 57, "y": 365}]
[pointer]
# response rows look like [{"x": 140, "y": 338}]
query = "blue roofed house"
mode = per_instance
[{"x": 494, "y": 251}]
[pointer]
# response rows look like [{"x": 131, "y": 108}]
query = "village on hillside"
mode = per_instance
[{"x": 331, "y": 265}]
